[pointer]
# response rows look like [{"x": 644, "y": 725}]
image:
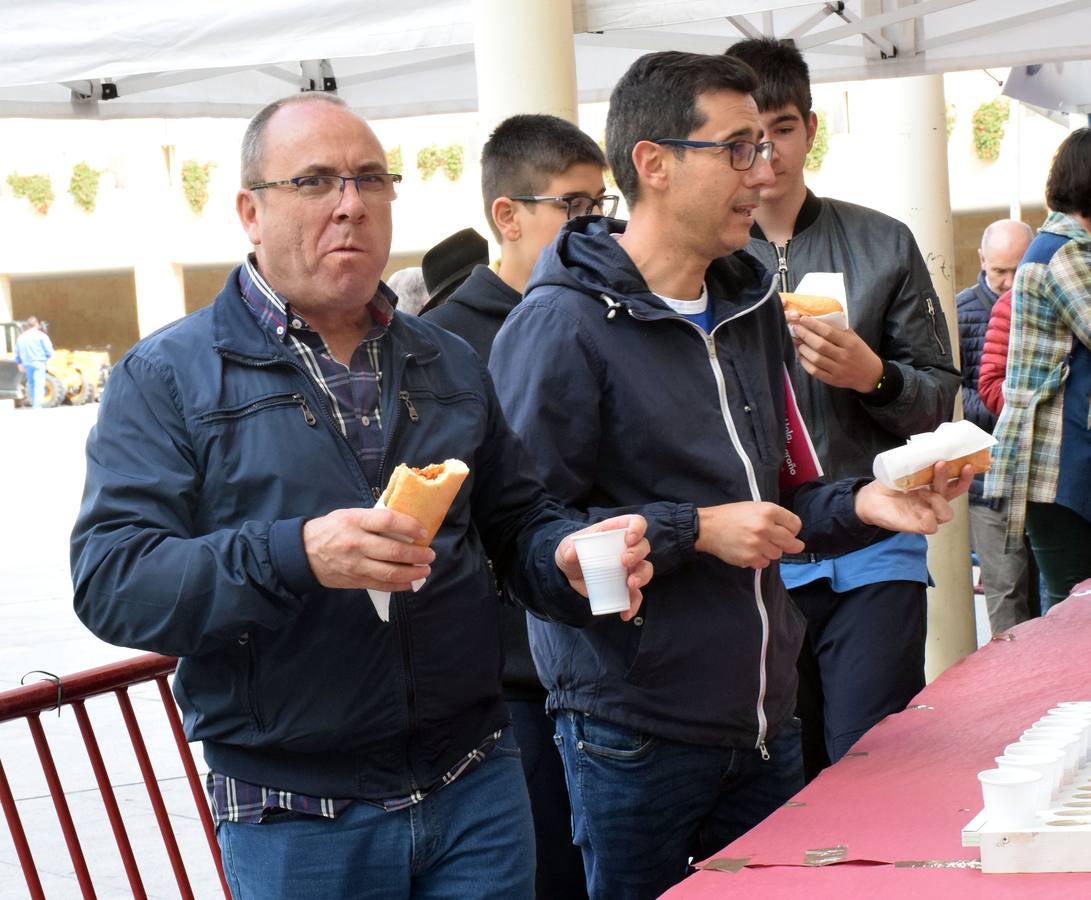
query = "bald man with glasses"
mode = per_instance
[{"x": 356, "y": 749}]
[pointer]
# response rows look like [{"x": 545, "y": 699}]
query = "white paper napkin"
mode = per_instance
[
  {"x": 826, "y": 284},
  {"x": 381, "y": 599}
]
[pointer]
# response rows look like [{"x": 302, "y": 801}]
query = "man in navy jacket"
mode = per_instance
[
  {"x": 228, "y": 519},
  {"x": 645, "y": 368}
]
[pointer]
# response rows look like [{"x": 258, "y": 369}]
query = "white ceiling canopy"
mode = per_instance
[{"x": 127, "y": 58}]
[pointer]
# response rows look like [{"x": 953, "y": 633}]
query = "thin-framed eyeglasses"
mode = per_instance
[
  {"x": 371, "y": 185},
  {"x": 741, "y": 154},
  {"x": 577, "y": 204}
]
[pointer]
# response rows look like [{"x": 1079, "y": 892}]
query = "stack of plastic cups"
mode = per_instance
[
  {"x": 1069, "y": 741},
  {"x": 1042, "y": 759},
  {"x": 1070, "y": 716}
]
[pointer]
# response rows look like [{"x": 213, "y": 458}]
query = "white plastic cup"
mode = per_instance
[
  {"x": 1074, "y": 720},
  {"x": 1010, "y": 796},
  {"x": 600, "y": 559},
  {"x": 1075, "y": 704},
  {"x": 1037, "y": 751},
  {"x": 1061, "y": 730},
  {"x": 1045, "y": 763}
]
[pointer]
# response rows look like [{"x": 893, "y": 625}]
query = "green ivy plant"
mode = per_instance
[
  {"x": 607, "y": 175},
  {"x": 195, "y": 178},
  {"x": 950, "y": 118},
  {"x": 988, "y": 128},
  {"x": 37, "y": 189},
  {"x": 820, "y": 146},
  {"x": 394, "y": 163},
  {"x": 83, "y": 186},
  {"x": 432, "y": 158}
]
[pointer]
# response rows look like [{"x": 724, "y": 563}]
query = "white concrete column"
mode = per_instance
[
  {"x": 6, "y": 314},
  {"x": 903, "y": 122},
  {"x": 160, "y": 297},
  {"x": 525, "y": 59}
]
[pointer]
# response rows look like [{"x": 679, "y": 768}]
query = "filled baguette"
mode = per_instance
[
  {"x": 952, "y": 467},
  {"x": 808, "y": 304},
  {"x": 425, "y": 494}
]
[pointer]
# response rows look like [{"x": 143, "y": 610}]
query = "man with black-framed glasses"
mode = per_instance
[
  {"x": 357, "y": 748},
  {"x": 537, "y": 172},
  {"x": 645, "y": 368}
]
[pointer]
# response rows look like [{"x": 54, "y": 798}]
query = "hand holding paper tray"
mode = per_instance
[
  {"x": 956, "y": 443},
  {"x": 425, "y": 494}
]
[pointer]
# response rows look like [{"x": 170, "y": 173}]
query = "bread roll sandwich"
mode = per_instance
[
  {"x": 952, "y": 468},
  {"x": 425, "y": 494},
  {"x": 809, "y": 305}
]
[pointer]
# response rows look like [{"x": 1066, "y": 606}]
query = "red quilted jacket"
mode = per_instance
[{"x": 994, "y": 356}]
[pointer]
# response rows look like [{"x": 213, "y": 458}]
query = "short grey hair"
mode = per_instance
[
  {"x": 253, "y": 149},
  {"x": 1004, "y": 225}
]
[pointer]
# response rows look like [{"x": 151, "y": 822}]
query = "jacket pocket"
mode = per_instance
[
  {"x": 258, "y": 405},
  {"x": 253, "y": 681}
]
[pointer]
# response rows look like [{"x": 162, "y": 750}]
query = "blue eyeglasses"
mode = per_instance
[{"x": 741, "y": 154}]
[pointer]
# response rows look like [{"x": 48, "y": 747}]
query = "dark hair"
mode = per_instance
[
  {"x": 657, "y": 98},
  {"x": 252, "y": 141},
  {"x": 783, "y": 76},
  {"x": 1068, "y": 188},
  {"x": 525, "y": 152}
]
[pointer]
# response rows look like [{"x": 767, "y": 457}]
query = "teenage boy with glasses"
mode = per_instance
[
  {"x": 862, "y": 390},
  {"x": 537, "y": 172},
  {"x": 229, "y": 519},
  {"x": 645, "y": 369}
]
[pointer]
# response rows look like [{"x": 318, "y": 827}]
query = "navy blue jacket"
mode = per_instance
[
  {"x": 626, "y": 404},
  {"x": 974, "y": 306},
  {"x": 212, "y": 449}
]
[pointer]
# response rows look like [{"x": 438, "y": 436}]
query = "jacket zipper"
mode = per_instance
[
  {"x": 782, "y": 263},
  {"x": 414, "y": 416},
  {"x": 755, "y": 494},
  {"x": 935, "y": 325}
]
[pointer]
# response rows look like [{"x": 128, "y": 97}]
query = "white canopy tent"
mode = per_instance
[{"x": 131, "y": 58}]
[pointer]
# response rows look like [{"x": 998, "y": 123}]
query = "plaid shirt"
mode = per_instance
[
  {"x": 1051, "y": 307},
  {"x": 353, "y": 392},
  {"x": 236, "y": 801}
]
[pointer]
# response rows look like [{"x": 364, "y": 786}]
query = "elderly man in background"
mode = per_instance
[{"x": 1005, "y": 576}]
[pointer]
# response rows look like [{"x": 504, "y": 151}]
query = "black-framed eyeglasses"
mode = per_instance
[
  {"x": 376, "y": 185},
  {"x": 577, "y": 204},
  {"x": 741, "y": 154}
]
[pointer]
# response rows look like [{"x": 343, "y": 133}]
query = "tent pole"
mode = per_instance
[
  {"x": 525, "y": 60},
  {"x": 903, "y": 123}
]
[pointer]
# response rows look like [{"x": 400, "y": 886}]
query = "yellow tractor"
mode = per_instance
[{"x": 72, "y": 376}]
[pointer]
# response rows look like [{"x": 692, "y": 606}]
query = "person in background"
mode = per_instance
[
  {"x": 1005, "y": 576},
  {"x": 33, "y": 350},
  {"x": 861, "y": 391},
  {"x": 645, "y": 370},
  {"x": 412, "y": 292},
  {"x": 1043, "y": 453},
  {"x": 228, "y": 519},
  {"x": 537, "y": 172},
  {"x": 449, "y": 263},
  {"x": 994, "y": 355}
]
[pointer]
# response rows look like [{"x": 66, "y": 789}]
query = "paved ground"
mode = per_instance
[{"x": 41, "y": 458}]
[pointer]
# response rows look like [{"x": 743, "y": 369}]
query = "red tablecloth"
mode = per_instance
[{"x": 894, "y": 808}]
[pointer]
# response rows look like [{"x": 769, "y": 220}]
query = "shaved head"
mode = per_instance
[{"x": 1002, "y": 247}]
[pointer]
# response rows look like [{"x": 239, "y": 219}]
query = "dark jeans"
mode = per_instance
[
  {"x": 560, "y": 865},
  {"x": 862, "y": 659},
  {"x": 1061, "y": 542},
  {"x": 473, "y": 838},
  {"x": 643, "y": 806}
]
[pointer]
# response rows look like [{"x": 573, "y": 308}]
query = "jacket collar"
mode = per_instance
[
  {"x": 806, "y": 217},
  {"x": 236, "y": 332},
  {"x": 985, "y": 293}
]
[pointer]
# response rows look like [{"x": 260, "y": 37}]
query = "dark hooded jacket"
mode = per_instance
[{"x": 625, "y": 404}]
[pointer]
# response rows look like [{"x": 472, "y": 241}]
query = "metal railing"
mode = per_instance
[{"x": 29, "y": 701}]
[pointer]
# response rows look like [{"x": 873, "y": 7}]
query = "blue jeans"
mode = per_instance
[
  {"x": 560, "y": 865},
  {"x": 643, "y": 806},
  {"x": 472, "y": 838},
  {"x": 35, "y": 373}
]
